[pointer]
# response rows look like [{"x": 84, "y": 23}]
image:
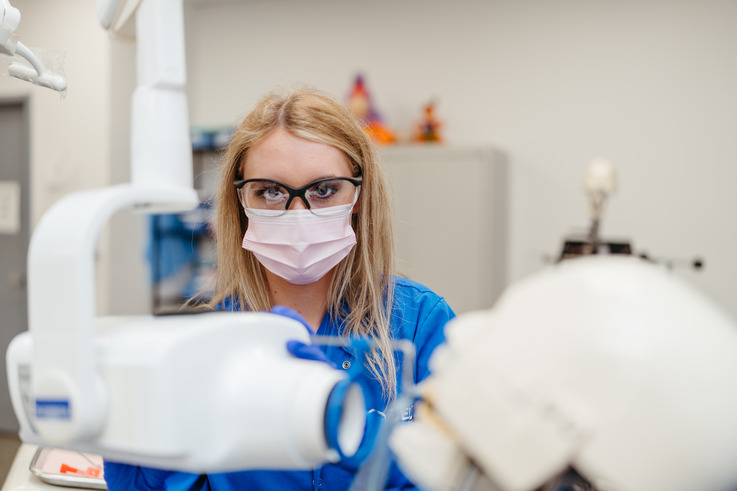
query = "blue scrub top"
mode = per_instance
[{"x": 418, "y": 315}]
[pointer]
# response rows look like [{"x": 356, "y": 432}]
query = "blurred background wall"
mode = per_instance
[{"x": 649, "y": 84}]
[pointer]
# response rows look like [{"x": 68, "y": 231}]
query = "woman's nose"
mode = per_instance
[{"x": 297, "y": 204}]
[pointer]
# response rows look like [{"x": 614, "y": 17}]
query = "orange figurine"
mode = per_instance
[
  {"x": 360, "y": 104},
  {"x": 428, "y": 129}
]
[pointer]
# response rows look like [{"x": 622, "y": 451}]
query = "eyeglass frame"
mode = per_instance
[{"x": 300, "y": 191}]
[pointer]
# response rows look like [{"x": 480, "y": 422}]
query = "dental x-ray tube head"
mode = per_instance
[
  {"x": 607, "y": 364},
  {"x": 211, "y": 392}
]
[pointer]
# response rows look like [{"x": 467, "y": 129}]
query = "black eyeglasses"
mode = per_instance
[{"x": 273, "y": 198}]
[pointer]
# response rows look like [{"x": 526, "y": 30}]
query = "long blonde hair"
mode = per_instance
[{"x": 362, "y": 287}]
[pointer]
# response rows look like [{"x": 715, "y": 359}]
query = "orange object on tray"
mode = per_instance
[{"x": 68, "y": 468}]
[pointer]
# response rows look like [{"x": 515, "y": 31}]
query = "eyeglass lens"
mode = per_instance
[{"x": 270, "y": 195}]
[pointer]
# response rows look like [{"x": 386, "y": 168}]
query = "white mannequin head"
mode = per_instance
[{"x": 608, "y": 365}]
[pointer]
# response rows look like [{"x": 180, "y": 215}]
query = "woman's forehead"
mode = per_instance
[{"x": 281, "y": 155}]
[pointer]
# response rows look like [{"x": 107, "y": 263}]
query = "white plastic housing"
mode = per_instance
[
  {"x": 62, "y": 301},
  {"x": 9, "y": 20},
  {"x": 608, "y": 364},
  {"x": 161, "y": 151},
  {"x": 161, "y": 155},
  {"x": 207, "y": 392}
]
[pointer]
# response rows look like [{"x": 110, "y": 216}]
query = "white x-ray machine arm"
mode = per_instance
[
  {"x": 210, "y": 392},
  {"x": 61, "y": 269}
]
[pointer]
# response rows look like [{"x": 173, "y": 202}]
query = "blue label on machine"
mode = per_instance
[{"x": 52, "y": 409}]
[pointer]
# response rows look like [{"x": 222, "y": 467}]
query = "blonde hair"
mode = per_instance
[{"x": 362, "y": 287}]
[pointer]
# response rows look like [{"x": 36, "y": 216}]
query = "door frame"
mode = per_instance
[{"x": 25, "y": 207}]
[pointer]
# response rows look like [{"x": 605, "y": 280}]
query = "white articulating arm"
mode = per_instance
[
  {"x": 61, "y": 267},
  {"x": 161, "y": 147},
  {"x": 9, "y": 20},
  {"x": 9, "y": 45},
  {"x": 62, "y": 307}
]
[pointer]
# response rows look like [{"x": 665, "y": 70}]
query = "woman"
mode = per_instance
[{"x": 303, "y": 221}]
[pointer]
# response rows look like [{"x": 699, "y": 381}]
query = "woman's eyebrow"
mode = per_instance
[{"x": 284, "y": 181}]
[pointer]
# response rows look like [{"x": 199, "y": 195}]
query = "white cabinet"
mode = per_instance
[{"x": 450, "y": 225}]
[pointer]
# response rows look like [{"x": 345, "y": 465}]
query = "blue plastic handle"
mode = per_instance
[{"x": 357, "y": 374}]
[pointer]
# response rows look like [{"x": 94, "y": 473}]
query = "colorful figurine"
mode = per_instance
[
  {"x": 360, "y": 104},
  {"x": 427, "y": 130}
]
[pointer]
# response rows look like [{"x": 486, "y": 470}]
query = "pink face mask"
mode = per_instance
[{"x": 299, "y": 246}]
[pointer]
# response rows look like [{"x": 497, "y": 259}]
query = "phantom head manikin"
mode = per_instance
[
  {"x": 605, "y": 364},
  {"x": 604, "y": 371}
]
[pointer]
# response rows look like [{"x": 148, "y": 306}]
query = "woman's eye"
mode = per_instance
[
  {"x": 322, "y": 190},
  {"x": 272, "y": 193}
]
